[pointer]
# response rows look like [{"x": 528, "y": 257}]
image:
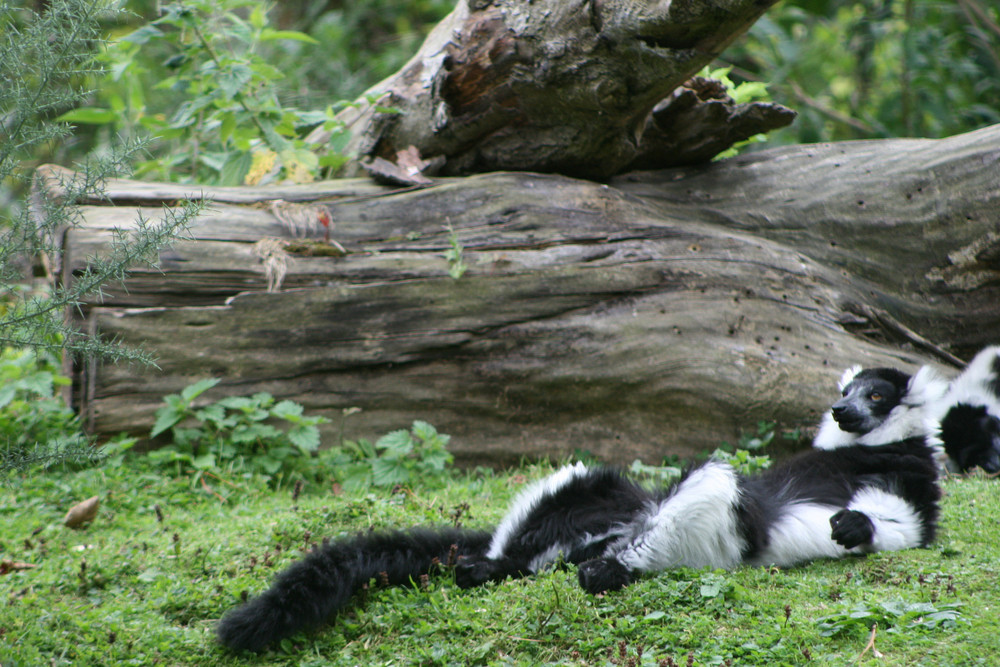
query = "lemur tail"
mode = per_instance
[{"x": 322, "y": 583}]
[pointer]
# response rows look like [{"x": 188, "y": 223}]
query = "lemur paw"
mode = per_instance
[
  {"x": 851, "y": 528},
  {"x": 603, "y": 574},
  {"x": 470, "y": 572}
]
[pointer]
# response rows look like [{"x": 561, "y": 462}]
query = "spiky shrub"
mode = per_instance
[{"x": 44, "y": 57}]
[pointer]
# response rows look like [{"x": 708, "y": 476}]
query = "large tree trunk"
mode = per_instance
[
  {"x": 587, "y": 88},
  {"x": 655, "y": 314}
]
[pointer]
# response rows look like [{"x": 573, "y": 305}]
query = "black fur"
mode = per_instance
[
  {"x": 597, "y": 504},
  {"x": 313, "y": 589},
  {"x": 833, "y": 477},
  {"x": 851, "y": 528},
  {"x": 821, "y": 503},
  {"x": 587, "y": 517},
  {"x": 969, "y": 415},
  {"x": 971, "y": 438}
]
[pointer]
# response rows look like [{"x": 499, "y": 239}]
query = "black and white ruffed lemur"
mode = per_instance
[
  {"x": 962, "y": 425},
  {"x": 966, "y": 422},
  {"x": 878, "y": 493}
]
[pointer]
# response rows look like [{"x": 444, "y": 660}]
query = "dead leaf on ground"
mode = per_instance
[
  {"x": 8, "y": 566},
  {"x": 82, "y": 513}
]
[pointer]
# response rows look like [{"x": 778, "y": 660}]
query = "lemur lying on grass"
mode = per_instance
[{"x": 875, "y": 492}]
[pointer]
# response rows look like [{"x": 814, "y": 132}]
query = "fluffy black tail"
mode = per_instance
[{"x": 322, "y": 583}]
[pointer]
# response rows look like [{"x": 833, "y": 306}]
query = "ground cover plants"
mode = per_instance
[{"x": 145, "y": 583}]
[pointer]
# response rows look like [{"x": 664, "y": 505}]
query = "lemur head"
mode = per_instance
[
  {"x": 879, "y": 406},
  {"x": 868, "y": 398},
  {"x": 971, "y": 437}
]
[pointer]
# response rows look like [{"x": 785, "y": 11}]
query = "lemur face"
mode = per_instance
[{"x": 868, "y": 398}]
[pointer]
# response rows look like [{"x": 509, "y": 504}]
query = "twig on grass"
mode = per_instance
[{"x": 870, "y": 645}]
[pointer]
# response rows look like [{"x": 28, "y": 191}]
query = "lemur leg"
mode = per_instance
[
  {"x": 695, "y": 525},
  {"x": 574, "y": 514},
  {"x": 877, "y": 520}
]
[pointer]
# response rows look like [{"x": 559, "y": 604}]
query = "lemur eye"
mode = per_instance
[{"x": 876, "y": 397}]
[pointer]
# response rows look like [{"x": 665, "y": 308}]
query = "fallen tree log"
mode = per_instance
[
  {"x": 589, "y": 89},
  {"x": 656, "y": 314}
]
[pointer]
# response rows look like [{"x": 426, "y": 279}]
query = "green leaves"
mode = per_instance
[
  {"x": 177, "y": 406},
  {"x": 241, "y": 431},
  {"x": 35, "y": 425},
  {"x": 217, "y": 103},
  {"x": 269, "y": 34},
  {"x": 257, "y": 434},
  {"x": 456, "y": 264},
  {"x": 895, "y": 615},
  {"x": 399, "y": 457},
  {"x": 88, "y": 116}
]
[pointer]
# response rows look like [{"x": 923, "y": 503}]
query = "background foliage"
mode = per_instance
[
  {"x": 852, "y": 68},
  {"x": 858, "y": 69}
]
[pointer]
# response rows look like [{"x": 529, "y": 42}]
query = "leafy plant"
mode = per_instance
[
  {"x": 660, "y": 474},
  {"x": 397, "y": 458},
  {"x": 868, "y": 68},
  {"x": 742, "y": 458},
  {"x": 456, "y": 265},
  {"x": 236, "y": 432},
  {"x": 45, "y": 57},
  {"x": 742, "y": 93},
  {"x": 222, "y": 116},
  {"x": 895, "y": 615},
  {"x": 36, "y": 427}
]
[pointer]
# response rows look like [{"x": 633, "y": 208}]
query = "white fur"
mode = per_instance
[
  {"x": 801, "y": 534},
  {"x": 848, "y": 376},
  {"x": 970, "y": 387},
  {"x": 545, "y": 558},
  {"x": 549, "y": 556},
  {"x": 830, "y": 436},
  {"x": 906, "y": 420},
  {"x": 897, "y": 524},
  {"x": 696, "y": 526},
  {"x": 525, "y": 502}
]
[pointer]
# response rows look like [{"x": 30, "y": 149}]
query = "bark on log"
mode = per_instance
[
  {"x": 587, "y": 88},
  {"x": 656, "y": 314}
]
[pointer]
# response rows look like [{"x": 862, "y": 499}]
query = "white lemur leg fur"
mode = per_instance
[
  {"x": 696, "y": 526},
  {"x": 801, "y": 534},
  {"x": 897, "y": 524},
  {"x": 526, "y": 500}
]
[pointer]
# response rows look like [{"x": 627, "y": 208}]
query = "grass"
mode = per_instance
[{"x": 165, "y": 557}]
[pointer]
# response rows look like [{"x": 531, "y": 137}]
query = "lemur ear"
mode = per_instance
[{"x": 848, "y": 377}]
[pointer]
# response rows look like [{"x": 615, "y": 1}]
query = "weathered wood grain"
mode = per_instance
[
  {"x": 655, "y": 315},
  {"x": 583, "y": 88}
]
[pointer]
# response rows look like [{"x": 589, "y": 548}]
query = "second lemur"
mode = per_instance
[{"x": 966, "y": 422}]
